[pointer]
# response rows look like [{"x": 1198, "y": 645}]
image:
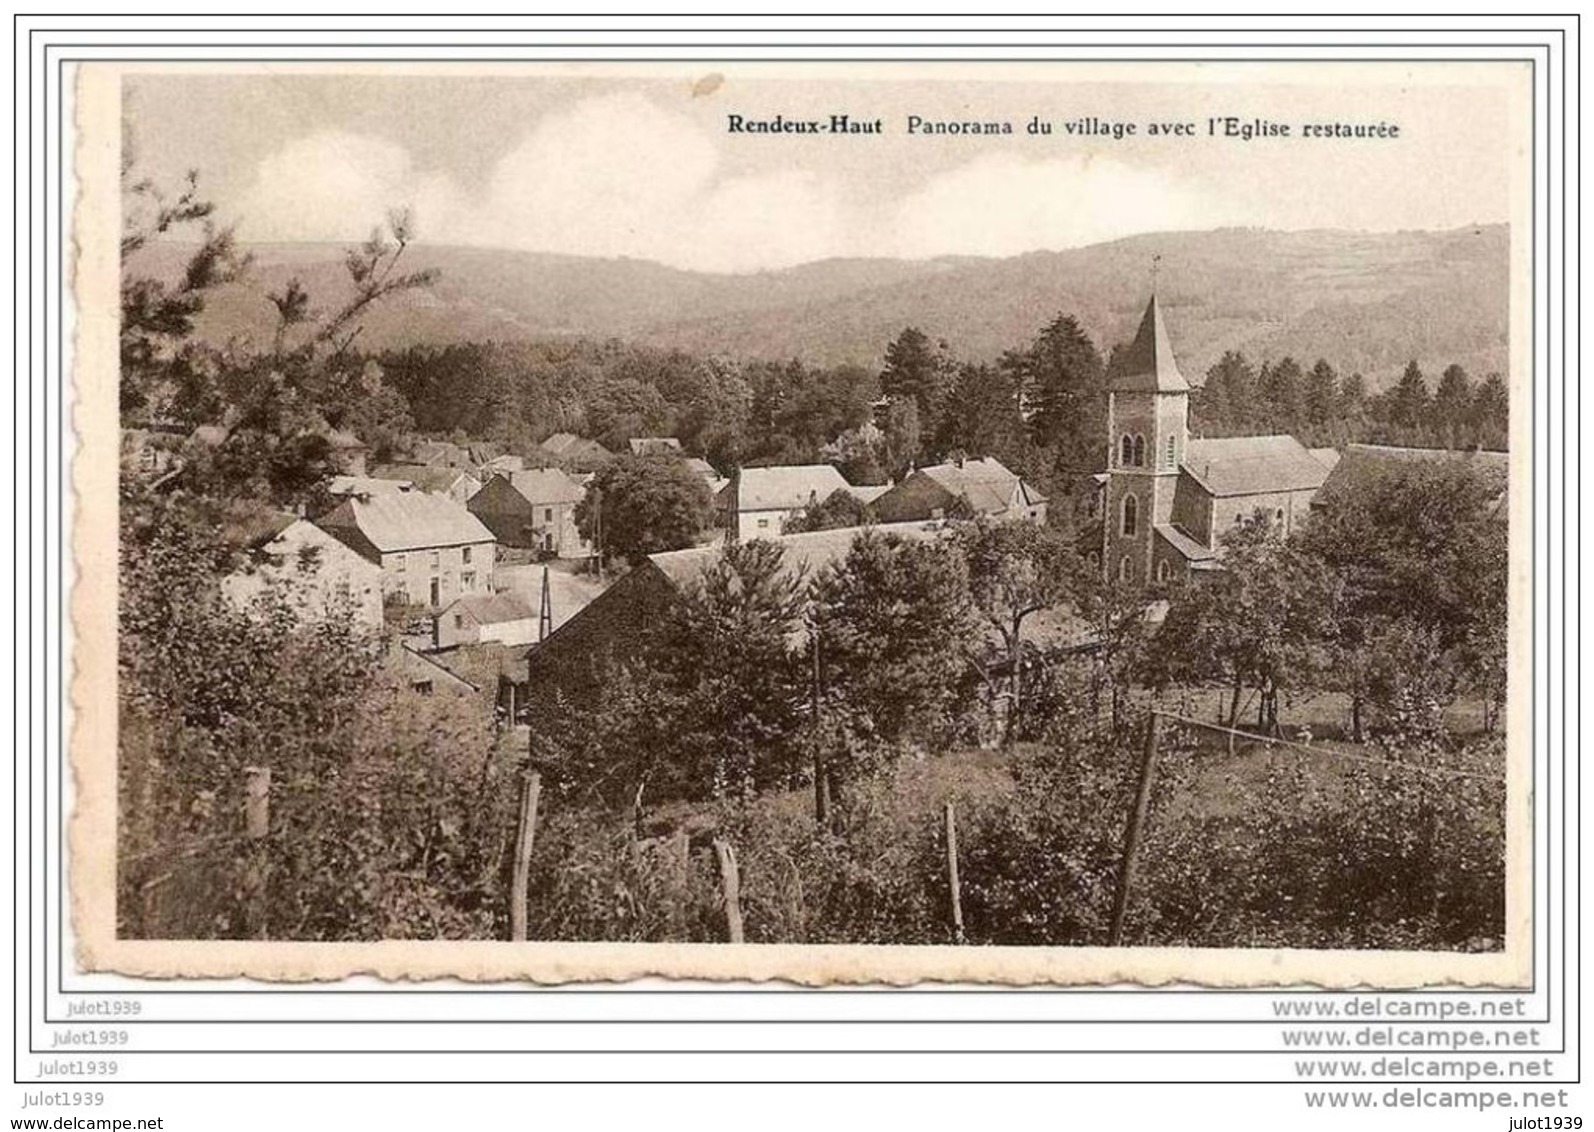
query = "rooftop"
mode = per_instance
[
  {"x": 492, "y": 609},
  {"x": 404, "y": 520},
  {"x": 1148, "y": 365},
  {"x": 545, "y": 485},
  {"x": 786, "y": 488},
  {"x": 427, "y": 477},
  {"x": 1252, "y": 465}
]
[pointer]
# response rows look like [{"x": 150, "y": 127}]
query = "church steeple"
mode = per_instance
[
  {"x": 1148, "y": 365},
  {"x": 1147, "y": 431}
]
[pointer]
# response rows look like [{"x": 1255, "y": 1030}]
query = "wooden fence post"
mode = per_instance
[
  {"x": 952, "y": 873},
  {"x": 524, "y": 837},
  {"x": 732, "y": 884},
  {"x": 1136, "y": 828},
  {"x": 816, "y": 721},
  {"x": 257, "y": 825}
]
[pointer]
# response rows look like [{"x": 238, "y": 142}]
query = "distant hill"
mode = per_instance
[{"x": 1367, "y": 301}]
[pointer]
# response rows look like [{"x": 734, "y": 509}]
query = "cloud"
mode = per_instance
[
  {"x": 335, "y": 186},
  {"x": 619, "y": 175},
  {"x": 1001, "y": 205}
]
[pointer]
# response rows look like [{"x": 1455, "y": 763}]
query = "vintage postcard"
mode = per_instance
[{"x": 999, "y": 522}]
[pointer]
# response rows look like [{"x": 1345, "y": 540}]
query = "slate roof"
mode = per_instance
[
  {"x": 414, "y": 666},
  {"x": 702, "y": 467},
  {"x": 364, "y": 485},
  {"x": 567, "y": 445},
  {"x": 252, "y": 527},
  {"x": 787, "y": 488},
  {"x": 1252, "y": 465},
  {"x": 442, "y": 453},
  {"x": 1148, "y": 365},
  {"x": 427, "y": 477},
  {"x": 986, "y": 483},
  {"x": 1328, "y": 457},
  {"x": 654, "y": 445},
  {"x": 492, "y": 609},
  {"x": 403, "y": 520},
  {"x": 1188, "y": 547},
  {"x": 544, "y": 485},
  {"x": 1361, "y": 462},
  {"x": 811, "y": 550},
  {"x": 869, "y": 492}
]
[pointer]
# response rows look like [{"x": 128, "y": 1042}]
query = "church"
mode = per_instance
[{"x": 1169, "y": 497}]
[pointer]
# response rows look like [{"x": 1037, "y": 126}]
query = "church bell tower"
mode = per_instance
[{"x": 1147, "y": 429}]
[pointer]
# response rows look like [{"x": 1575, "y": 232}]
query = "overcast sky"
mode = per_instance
[{"x": 602, "y": 165}]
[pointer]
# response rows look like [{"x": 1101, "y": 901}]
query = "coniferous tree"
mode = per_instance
[
  {"x": 1063, "y": 383},
  {"x": 1322, "y": 398}
]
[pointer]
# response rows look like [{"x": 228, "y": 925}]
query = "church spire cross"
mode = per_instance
[{"x": 1156, "y": 264}]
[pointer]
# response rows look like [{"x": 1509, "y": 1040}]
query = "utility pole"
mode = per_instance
[{"x": 545, "y": 615}]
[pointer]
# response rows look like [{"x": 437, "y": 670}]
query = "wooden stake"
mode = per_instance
[
  {"x": 257, "y": 825},
  {"x": 1132, "y": 835},
  {"x": 731, "y": 882},
  {"x": 821, "y": 771},
  {"x": 257, "y": 801},
  {"x": 523, "y": 842},
  {"x": 952, "y": 873}
]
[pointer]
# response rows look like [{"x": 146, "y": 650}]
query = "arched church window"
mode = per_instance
[
  {"x": 1126, "y": 451},
  {"x": 1162, "y": 570},
  {"x": 1140, "y": 452},
  {"x": 1131, "y": 516},
  {"x": 1124, "y": 568}
]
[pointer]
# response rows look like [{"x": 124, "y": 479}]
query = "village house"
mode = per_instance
[
  {"x": 756, "y": 502},
  {"x": 535, "y": 509},
  {"x": 457, "y": 484},
  {"x": 431, "y": 550},
  {"x": 572, "y": 451},
  {"x": 983, "y": 487},
  {"x": 716, "y": 482},
  {"x": 504, "y": 463},
  {"x": 317, "y": 576},
  {"x": 614, "y": 625},
  {"x": 420, "y": 673},
  {"x": 340, "y": 487},
  {"x": 1360, "y": 464},
  {"x": 655, "y": 446},
  {"x": 442, "y": 454},
  {"x": 151, "y": 450},
  {"x": 349, "y": 452},
  {"x": 484, "y": 619}
]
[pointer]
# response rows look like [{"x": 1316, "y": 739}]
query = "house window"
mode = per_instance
[
  {"x": 467, "y": 579},
  {"x": 1140, "y": 452},
  {"x": 459, "y": 620},
  {"x": 398, "y": 563},
  {"x": 547, "y": 514},
  {"x": 1125, "y": 568},
  {"x": 1278, "y": 516},
  {"x": 1131, "y": 517},
  {"x": 437, "y": 559},
  {"x": 464, "y": 555},
  {"x": 1170, "y": 451},
  {"x": 1162, "y": 570},
  {"x": 763, "y": 524},
  {"x": 1126, "y": 451},
  {"x": 424, "y": 687}
]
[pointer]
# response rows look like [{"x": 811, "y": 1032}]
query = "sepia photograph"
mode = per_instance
[{"x": 1033, "y": 522}]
